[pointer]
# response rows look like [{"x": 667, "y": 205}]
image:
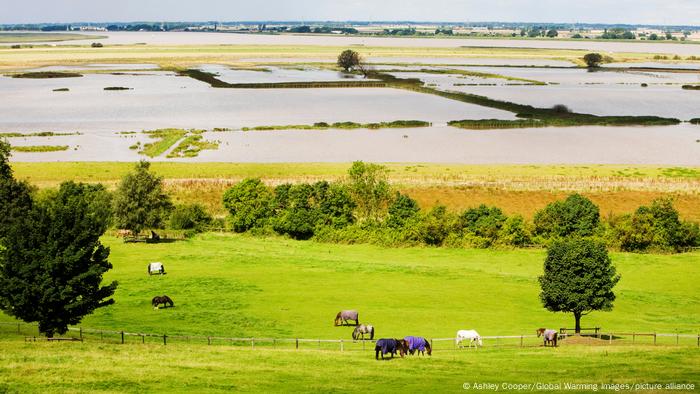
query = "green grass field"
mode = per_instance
[
  {"x": 239, "y": 286},
  {"x": 99, "y": 368}
]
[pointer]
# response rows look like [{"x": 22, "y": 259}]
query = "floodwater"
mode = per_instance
[
  {"x": 666, "y": 101},
  {"x": 674, "y": 145},
  {"x": 193, "y": 38},
  {"x": 161, "y": 99},
  {"x": 277, "y": 74}
]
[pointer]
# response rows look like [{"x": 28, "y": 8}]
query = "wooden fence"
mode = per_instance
[{"x": 30, "y": 331}]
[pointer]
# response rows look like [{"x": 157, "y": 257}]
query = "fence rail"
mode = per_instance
[{"x": 123, "y": 337}]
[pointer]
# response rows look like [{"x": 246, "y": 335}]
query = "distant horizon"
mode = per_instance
[
  {"x": 350, "y": 22},
  {"x": 623, "y": 12}
]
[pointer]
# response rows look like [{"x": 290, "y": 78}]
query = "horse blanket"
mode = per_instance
[
  {"x": 386, "y": 346},
  {"x": 416, "y": 343},
  {"x": 550, "y": 334},
  {"x": 156, "y": 268}
]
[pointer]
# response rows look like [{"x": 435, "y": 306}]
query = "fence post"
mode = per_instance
[
  {"x": 431, "y": 343},
  {"x": 633, "y": 337},
  {"x": 165, "y": 341},
  {"x": 252, "y": 343},
  {"x": 610, "y": 338},
  {"x": 654, "y": 338},
  {"x": 208, "y": 340},
  {"x": 521, "y": 341},
  {"x": 698, "y": 340},
  {"x": 341, "y": 345},
  {"x": 319, "y": 344},
  {"x": 81, "y": 333},
  {"x": 143, "y": 339},
  {"x": 676, "y": 339},
  {"x": 297, "y": 341},
  {"x": 122, "y": 337},
  {"x": 274, "y": 343}
]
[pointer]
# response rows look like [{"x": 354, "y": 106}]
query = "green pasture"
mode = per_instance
[
  {"x": 105, "y": 368},
  {"x": 240, "y": 286}
]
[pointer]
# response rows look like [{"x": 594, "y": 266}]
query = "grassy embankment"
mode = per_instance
[
  {"x": 47, "y": 75},
  {"x": 39, "y": 148},
  {"x": 516, "y": 189},
  {"x": 345, "y": 126}
]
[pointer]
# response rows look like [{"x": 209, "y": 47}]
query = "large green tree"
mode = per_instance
[
  {"x": 52, "y": 261},
  {"x": 348, "y": 59},
  {"x": 579, "y": 278},
  {"x": 140, "y": 201},
  {"x": 15, "y": 196},
  {"x": 369, "y": 188}
]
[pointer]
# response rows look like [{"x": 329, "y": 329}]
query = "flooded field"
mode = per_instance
[
  {"x": 161, "y": 99},
  {"x": 674, "y": 145},
  {"x": 146, "y": 98}
]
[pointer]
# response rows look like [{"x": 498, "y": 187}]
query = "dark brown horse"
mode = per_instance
[
  {"x": 165, "y": 300},
  {"x": 392, "y": 346}
]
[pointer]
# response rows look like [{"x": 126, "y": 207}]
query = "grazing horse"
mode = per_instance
[
  {"x": 550, "y": 336},
  {"x": 390, "y": 346},
  {"x": 419, "y": 344},
  {"x": 165, "y": 300},
  {"x": 343, "y": 316},
  {"x": 361, "y": 330},
  {"x": 473, "y": 337}
]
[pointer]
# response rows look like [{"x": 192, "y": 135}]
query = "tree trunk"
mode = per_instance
[{"x": 577, "y": 316}]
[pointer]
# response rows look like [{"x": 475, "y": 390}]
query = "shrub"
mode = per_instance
[
  {"x": 437, "y": 225},
  {"x": 575, "y": 216},
  {"x": 593, "y": 60},
  {"x": 190, "y": 217},
  {"x": 655, "y": 227},
  {"x": 514, "y": 233},
  {"x": 402, "y": 210},
  {"x": 249, "y": 203},
  {"x": 484, "y": 221}
]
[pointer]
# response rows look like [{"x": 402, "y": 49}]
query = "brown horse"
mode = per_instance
[
  {"x": 165, "y": 300},
  {"x": 550, "y": 336}
]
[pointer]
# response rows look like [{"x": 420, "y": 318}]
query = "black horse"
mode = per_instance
[
  {"x": 392, "y": 346},
  {"x": 165, "y": 300}
]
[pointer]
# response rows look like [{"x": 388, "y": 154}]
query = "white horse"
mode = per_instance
[{"x": 473, "y": 337}]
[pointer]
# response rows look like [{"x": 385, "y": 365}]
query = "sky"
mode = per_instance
[{"x": 661, "y": 12}]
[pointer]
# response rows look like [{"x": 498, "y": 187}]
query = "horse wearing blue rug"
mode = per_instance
[
  {"x": 390, "y": 345},
  {"x": 419, "y": 344}
]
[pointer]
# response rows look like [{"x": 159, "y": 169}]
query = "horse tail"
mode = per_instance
[{"x": 371, "y": 334}]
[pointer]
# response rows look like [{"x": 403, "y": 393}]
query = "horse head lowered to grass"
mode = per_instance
[
  {"x": 165, "y": 300},
  {"x": 343, "y": 316},
  {"x": 363, "y": 329}
]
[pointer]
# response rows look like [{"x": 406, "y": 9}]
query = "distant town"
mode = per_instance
[{"x": 422, "y": 29}]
